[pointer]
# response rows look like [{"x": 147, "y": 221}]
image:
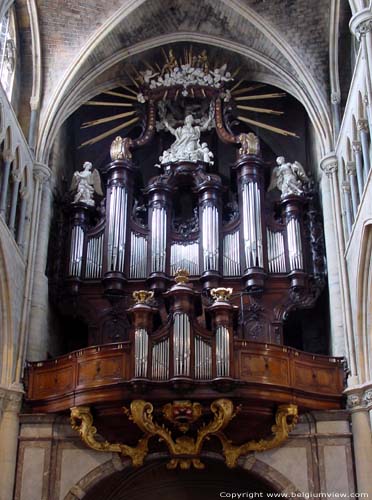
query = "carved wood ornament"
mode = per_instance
[{"x": 184, "y": 450}]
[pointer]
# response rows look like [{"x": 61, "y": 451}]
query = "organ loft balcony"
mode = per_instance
[{"x": 179, "y": 295}]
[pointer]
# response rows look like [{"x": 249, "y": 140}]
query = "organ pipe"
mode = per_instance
[
  {"x": 141, "y": 347},
  {"x": 252, "y": 227},
  {"x": 181, "y": 344},
  {"x": 117, "y": 228}
]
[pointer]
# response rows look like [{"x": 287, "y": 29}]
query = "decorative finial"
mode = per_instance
[
  {"x": 221, "y": 294},
  {"x": 142, "y": 296},
  {"x": 181, "y": 276}
]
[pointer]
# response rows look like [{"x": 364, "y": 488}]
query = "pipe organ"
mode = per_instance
[
  {"x": 193, "y": 224},
  {"x": 184, "y": 279},
  {"x": 267, "y": 259}
]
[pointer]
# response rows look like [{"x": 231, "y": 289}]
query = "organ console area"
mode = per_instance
[{"x": 182, "y": 295}]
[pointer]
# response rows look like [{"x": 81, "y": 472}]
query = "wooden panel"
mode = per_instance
[
  {"x": 315, "y": 378},
  {"x": 263, "y": 368},
  {"x": 101, "y": 370},
  {"x": 55, "y": 381}
]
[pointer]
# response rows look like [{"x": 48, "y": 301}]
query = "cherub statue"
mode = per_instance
[
  {"x": 86, "y": 183},
  {"x": 288, "y": 177}
]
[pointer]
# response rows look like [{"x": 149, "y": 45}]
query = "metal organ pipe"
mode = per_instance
[
  {"x": 141, "y": 346},
  {"x": 231, "y": 254},
  {"x": 222, "y": 351},
  {"x": 252, "y": 225},
  {"x": 160, "y": 360},
  {"x": 138, "y": 256},
  {"x": 159, "y": 239},
  {"x": 294, "y": 244},
  {"x": 275, "y": 252},
  {"x": 117, "y": 228},
  {"x": 185, "y": 256},
  {"x": 181, "y": 344},
  {"x": 76, "y": 251},
  {"x": 93, "y": 267},
  {"x": 203, "y": 359},
  {"x": 210, "y": 232}
]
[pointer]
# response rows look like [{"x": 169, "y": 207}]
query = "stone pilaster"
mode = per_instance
[
  {"x": 329, "y": 165},
  {"x": 359, "y": 402},
  {"x": 10, "y": 403},
  {"x": 36, "y": 255}
]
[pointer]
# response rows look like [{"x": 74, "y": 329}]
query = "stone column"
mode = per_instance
[
  {"x": 38, "y": 327},
  {"x": 359, "y": 402},
  {"x": 357, "y": 148},
  {"x": 361, "y": 26},
  {"x": 351, "y": 171},
  {"x": 10, "y": 403},
  {"x": 364, "y": 139},
  {"x": 22, "y": 218},
  {"x": 329, "y": 165},
  {"x": 32, "y": 322},
  {"x": 8, "y": 158},
  {"x": 14, "y": 201},
  {"x": 346, "y": 191},
  {"x": 336, "y": 112}
]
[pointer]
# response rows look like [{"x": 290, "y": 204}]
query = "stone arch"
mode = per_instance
[
  {"x": 364, "y": 303},
  {"x": 254, "y": 468},
  {"x": 303, "y": 86},
  {"x": 6, "y": 319}
]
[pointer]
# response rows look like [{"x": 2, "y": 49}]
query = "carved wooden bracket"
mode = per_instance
[{"x": 184, "y": 450}]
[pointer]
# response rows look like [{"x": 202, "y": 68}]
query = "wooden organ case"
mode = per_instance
[{"x": 189, "y": 313}]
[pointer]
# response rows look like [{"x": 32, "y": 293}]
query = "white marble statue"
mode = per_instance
[
  {"x": 187, "y": 145},
  {"x": 86, "y": 183},
  {"x": 288, "y": 177}
]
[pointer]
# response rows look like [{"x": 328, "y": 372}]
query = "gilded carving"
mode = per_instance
[
  {"x": 142, "y": 296},
  {"x": 185, "y": 450},
  {"x": 221, "y": 294}
]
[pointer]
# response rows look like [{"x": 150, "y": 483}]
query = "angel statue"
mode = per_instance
[
  {"x": 289, "y": 178},
  {"x": 86, "y": 183},
  {"x": 187, "y": 145}
]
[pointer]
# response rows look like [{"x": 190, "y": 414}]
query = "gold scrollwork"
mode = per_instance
[
  {"x": 142, "y": 296},
  {"x": 221, "y": 294},
  {"x": 184, "y": 450}
]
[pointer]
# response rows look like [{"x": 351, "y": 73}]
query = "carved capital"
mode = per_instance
[
  {"x": 357, "y": 147},
  {"x": 41, "y": 172},
  {"x": 8, "y": 156},
  {"x": 361, "y": 23},
  {"x": 329, "y": 164},
  {"x": 363, "y": 28},
  {"x": 335, "y": 97},
  {"x": 350, "y": 168},
  {"x": 353, "y": 401},
  {"x": 362, "y": 125},
  {"x": 10, "y": 401}
]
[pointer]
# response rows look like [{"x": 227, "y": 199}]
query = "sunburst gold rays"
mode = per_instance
[
  {"x": 277, "y": 130},
  {"x": 273, "y": 95},
  {"x": 107, "y": 119},
  {"x": 107, "y": 103},
  {"x": 119, "y": 94},
  {"x": 260, "y": 110},
  {"x": 99, "y": 137},
  {"x": 248, "y": 89}
]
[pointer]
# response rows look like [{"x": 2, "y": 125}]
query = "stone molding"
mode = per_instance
[
  {"x": 361, "y": 23},
  {"x": 329, "y": 164},
  {"x": 10, "y": 401},
  {"x": 41, "y": 172},
  {"x": 359, "y": 398}
]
